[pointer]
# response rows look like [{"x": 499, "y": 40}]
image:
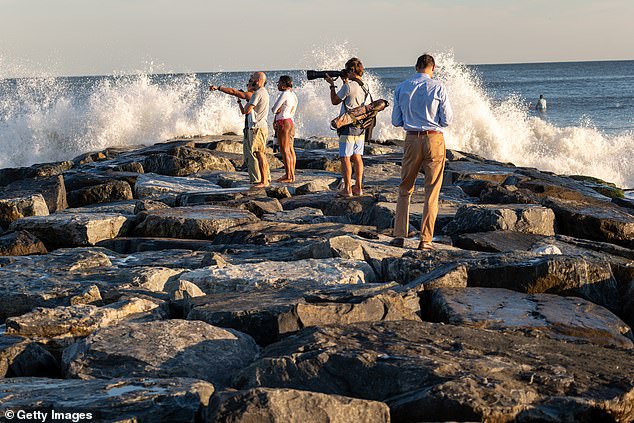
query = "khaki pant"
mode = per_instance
[
  {"x": 254, "y": 140},
  {"x": 426, "y": 152}
]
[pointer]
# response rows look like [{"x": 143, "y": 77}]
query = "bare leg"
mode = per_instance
[
  {"x": 357, "y": 160},
  {"x": 264, "y": 167},
  {"x": 346, "y": 172}
]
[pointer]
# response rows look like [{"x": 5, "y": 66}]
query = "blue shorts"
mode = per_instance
[{"x": 351, "y": 144}]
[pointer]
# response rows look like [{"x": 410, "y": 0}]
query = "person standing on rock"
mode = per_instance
[
  {"x": 351, "y": 138},
  {"x": 253, "y": 116},
  {"x": 422, "y": 108},
  {"x": 284, "y": 111}
]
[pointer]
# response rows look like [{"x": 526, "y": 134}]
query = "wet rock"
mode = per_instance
[
  {"x": 184, "y": 161},
  {"x": 198, "y": 222},
  {"x": 77, "y": 229},
  {"x": 518, "y": 217},
  {"x": 434, "y": 372},
  {"x": 499, "y": 194},
  {"x": 23, "y": 358},
  {"x": 177, "y": 400},
  {"x": 12, "y": 209},
  {"x": 167, "y": 189},
  {"x": 103, "y": 193},
  {"x": 600, "y": 222},
  {"x": 20, "y": 243},
  {"x": 76, "y": 320},
  {"x": 268, "y": 314},
  {"x": 568, "y": 318},
  {"x": 291, "y": 405},
  {"x": 161, "y": 349},
  {"x": 314, "y": 159}
]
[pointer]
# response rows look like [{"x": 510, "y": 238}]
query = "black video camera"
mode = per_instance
[{"x": 313, "y": 74}]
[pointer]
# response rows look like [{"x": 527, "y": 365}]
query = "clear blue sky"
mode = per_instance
[{"x": 83, "y": 37}]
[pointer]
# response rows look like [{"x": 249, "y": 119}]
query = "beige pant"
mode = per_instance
[
  {"x": 426, "y": 152},
  {"x": 254, "y": 140}
]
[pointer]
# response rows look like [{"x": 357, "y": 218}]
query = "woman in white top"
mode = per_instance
[{"x": 284, "y": 110}]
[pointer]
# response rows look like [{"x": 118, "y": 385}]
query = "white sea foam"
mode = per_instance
[{"x": 47, "y": 119}]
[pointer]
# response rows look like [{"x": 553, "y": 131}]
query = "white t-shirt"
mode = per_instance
[
  {"x": 285, "y": 105},
  {"x": 352, "y": 95}
]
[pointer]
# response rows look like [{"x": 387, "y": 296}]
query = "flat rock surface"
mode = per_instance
[
  {"x": 75, "y": 230},
  {"x": 197, "y": 222},
  {"x": 115, "y": 400},
  {"x": 428, "y": 371},
  {"x": 253, "y": 276},
  {"x": 560, "y": 317},
  {"x": 163, "y": 349}
]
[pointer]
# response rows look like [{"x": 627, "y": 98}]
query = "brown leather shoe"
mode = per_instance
[{"x": 398, "y": 242}]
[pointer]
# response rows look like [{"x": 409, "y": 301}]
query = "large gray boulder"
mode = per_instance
[
  {"x": 177, "y": 400},
  {"x": 269, "y": 314},
  {"x": 163, "y": 349},
  {"x": 72, "y": 229},
  {"x": 107, "y": 192},
  {"x": 599, "y": 222},
  {"x": 436, "y": 372},
  {"x": 197, "y": 222},
  {"x": 51, "y": 188},
  {"x": 528, "y": 218},
  {"x": 293, "y": 406},
  {"x": 567, "y": 318}
]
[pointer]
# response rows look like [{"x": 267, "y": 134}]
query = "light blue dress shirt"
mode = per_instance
[{"x": 420, "y": 104}]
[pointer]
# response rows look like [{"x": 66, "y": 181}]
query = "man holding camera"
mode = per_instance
[
  {"x": 256, "y": 127},
  {"x": 422, "y": 108},
  {"x": 351, "y": 138}
]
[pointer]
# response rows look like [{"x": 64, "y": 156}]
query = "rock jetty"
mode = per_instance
[{"x": 152, "y": 283}]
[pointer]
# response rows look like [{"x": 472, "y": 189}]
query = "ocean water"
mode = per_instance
[{"x": 588, "y": 127}]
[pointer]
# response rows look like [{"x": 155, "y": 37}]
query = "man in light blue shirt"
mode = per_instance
[{"x": 421, "y": 107}]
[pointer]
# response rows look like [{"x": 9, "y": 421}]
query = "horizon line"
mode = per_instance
[{"x": 284, "y": 70}]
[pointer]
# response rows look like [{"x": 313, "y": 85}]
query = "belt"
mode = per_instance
[{"x": 426, "y": 132}]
